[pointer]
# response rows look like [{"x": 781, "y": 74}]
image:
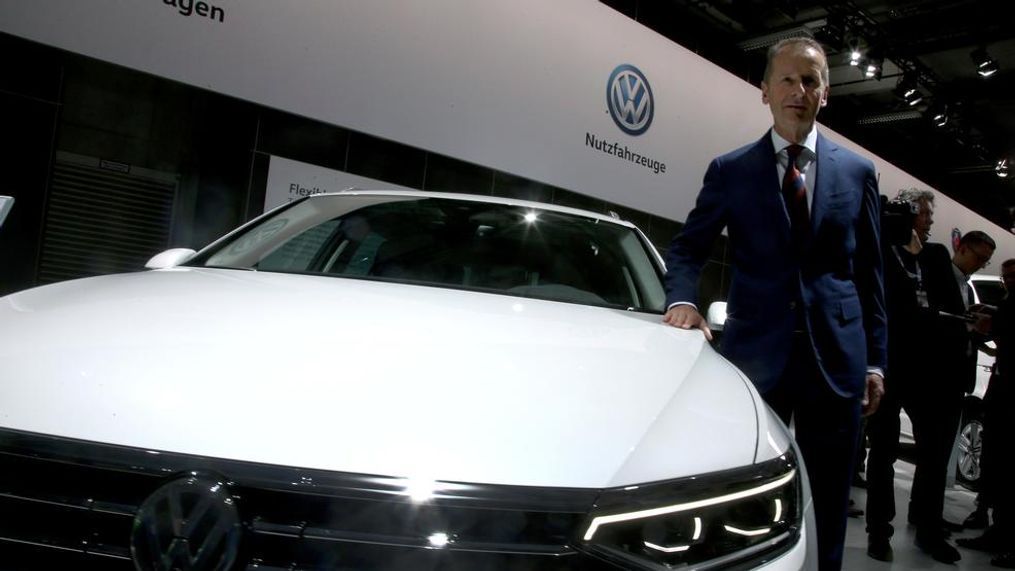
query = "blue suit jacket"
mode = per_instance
[{"x": 838, "y": 277}]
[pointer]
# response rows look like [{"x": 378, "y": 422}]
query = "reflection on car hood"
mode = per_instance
[{"x": 368, "y": 377}]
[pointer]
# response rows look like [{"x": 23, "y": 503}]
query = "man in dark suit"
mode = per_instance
[
  {"x": 949, "y": 372},
  {"x": 998, "y": 433},
  {"x": 950, "y": 294},
  {"x": 806, "y": 313},
  {"x": 915, "y": 384}
]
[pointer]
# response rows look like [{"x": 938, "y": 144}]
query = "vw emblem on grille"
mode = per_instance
[
  {"x": 188, "y": 524},
  {"x": 629, "y": 99}
]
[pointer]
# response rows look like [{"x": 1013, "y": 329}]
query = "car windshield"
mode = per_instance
[{"x": 507, "y": 249}]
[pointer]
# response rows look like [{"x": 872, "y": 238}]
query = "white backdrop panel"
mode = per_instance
[{"x": 514, "y": 85}]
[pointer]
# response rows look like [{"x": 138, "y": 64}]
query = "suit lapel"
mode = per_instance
[
  {"x": 767, "y": 176},
  {"x": 958, "y": 300},
  {"x": 827, "y": 173}
]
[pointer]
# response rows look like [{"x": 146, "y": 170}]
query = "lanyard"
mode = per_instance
[
  {"x": 918, "y": 275},
  {"x": 921, "y": 294}
]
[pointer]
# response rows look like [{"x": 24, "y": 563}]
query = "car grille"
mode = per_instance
[{"x": 69, "y": 504}]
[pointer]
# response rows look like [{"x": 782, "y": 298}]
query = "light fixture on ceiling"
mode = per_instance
[
  {"x": 986, "y": 66},
  {"x": 872, "y": 70},
  {"x": 908, "y": 90},
  {"x": 1001, "y": 170},
  {"x": 855, "y": 55},
  {"x": 873, "y": 65},
  {"x": 938, "y": 115}
]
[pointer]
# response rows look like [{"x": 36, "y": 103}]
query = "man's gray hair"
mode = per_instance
[
  {"x": 797, "y": 44},
  {"x": 916, "y": 196}
]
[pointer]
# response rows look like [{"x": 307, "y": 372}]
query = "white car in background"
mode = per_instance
[{"x": 387, "y": 380}]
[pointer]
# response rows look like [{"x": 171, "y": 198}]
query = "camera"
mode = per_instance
[{"x": 897, "y": 216}]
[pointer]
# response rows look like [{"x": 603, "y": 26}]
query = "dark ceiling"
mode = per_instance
[{"x": 929, "y": 41}]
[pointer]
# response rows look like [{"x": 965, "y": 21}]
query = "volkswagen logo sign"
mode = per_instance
[
  {"x": 188, "y": 524},
  {"x": 629, "y": 99}
]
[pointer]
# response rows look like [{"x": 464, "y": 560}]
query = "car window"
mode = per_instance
[{"x": 507, "y": 249}]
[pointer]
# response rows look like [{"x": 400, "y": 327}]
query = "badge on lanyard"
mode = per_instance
[
  {"x": 921, "y": 297},
  {"x": 917, "y": 277}
]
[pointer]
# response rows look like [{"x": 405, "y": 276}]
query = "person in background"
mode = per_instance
[
  {"x": 806, "y": 313},
  {"x": 979, "y": 518},
  {"x": 951, "y": 359},
  {"x": 910, "y": 319},
  {"x": 999, "y": 433}
]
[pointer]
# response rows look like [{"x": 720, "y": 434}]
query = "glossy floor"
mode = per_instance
[{"x": 958, "y": 504}]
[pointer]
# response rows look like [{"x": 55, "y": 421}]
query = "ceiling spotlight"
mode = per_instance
[
  {"x": 872, "y": 70},
  {"x": 855, "y": 55},
  {"x": 989, "y": 69},
  {"x": 1002, "y": 168},
  {"x": 939, "y": 115},
  {"x": 908, "y": 90},
  {"x": 986, "y": 66},
  {"x": 872, "y": 65}
]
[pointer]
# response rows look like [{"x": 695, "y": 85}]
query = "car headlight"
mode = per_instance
[{"x": 732, "y": 517}]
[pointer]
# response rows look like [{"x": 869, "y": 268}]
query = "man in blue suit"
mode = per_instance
[{"x": 806, "y": 308}]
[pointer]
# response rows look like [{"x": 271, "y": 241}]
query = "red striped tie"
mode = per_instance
[{"x": 794, "y": 192}]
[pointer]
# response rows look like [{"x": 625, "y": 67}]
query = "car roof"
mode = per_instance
[
  {"x": 985, "y": 278},
  {"x": 481, "y": 198}
]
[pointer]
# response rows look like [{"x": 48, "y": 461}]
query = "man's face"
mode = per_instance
[
  {"x": 970, "y": 258},
  {"x": 794, "y": 91},
  {"x": 1008, "y": 278},
  {"x": 924, "y": 220}
]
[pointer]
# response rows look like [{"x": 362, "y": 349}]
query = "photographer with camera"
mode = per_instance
[{"x": 930, "y": 362}]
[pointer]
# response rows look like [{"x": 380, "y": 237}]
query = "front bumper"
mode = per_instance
[{"x": 73, "y": 504}]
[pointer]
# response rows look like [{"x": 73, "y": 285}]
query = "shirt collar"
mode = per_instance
[{"x": 810, "y": 142}]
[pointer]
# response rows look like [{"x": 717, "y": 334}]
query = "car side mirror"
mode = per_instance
[
  {"x": 6, "y": 203},
  {"x": 716, "y": 315},
  {"x": 170, "y": 258}
]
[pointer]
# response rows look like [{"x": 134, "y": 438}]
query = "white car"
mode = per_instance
[{"x": 387, "y": 380}]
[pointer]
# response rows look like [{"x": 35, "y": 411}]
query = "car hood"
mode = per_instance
[{"x": 375, "y": 378}]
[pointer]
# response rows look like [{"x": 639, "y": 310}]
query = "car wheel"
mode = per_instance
[{"x": 970, "y": 447}]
